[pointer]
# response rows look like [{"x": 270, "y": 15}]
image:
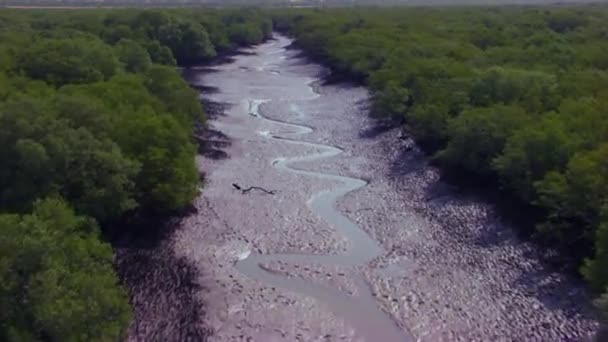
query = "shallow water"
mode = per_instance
[
  {"x": 362, "y": 311},
  {"x": 441, "y": 266}
]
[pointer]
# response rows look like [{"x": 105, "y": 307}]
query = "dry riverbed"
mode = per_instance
[{"x": 447, "y": 268}]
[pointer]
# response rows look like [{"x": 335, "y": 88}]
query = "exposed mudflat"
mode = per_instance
[{"x": 402, "y": 257}]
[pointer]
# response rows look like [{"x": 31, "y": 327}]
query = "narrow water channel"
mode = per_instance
[
  {"x": 359, "y": 240},
  {"x": 362, "y": 311}
]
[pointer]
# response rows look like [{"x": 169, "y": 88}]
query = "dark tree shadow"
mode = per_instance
[
  {"x": 344, "y": 80},
  {"x": 204, "y": 89},
  {"x": 553, "y": 281},
  {"x": 378, "y": 128},
  {"x": 407, "y": 161},
  {"x": 566, "y": 294},
  {"x": 214, "y": 109},
  {"x": 211, "y": 144},
  {"x": 224, "y": 57},
  {"x": 145, "y": 229},
  {"x": 245, "y": 53},
  {"x": 212, "y": 153},
  {"x": 163, "y": 288}
]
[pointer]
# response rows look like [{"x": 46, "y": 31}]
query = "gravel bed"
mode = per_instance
[{"x": 451, "y": 271}]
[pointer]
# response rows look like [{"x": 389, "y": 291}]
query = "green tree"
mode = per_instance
[
  {"x": 176, "y": 96},
  {"x": 477, "y": 136},
  {"x": 392, "y": 101},
  {"x": 133, "y": 56},
  {"x": 595, "y": 270},
  {"x": 43, "y": 155},
  {"x": 168, "y": 178},
  {"x": 56, "y": 279},
  {"x": 113, "y": 34},
  {"x": 160, "y": 54},
  {"x": 429, "y": 123},
  {"x": 65, "y": 61},
  {"x": 94, "y": 128},
  {"x": 574, "y": 198},
  {"x": 562, "y": 21},
  {"x": 533, "y": 90},
  {"x": 188, "y": 41},
  {"x": 533, "y": 151},
  {"x": 245, "y": 34},
  {"x": 508, "y": 92}
]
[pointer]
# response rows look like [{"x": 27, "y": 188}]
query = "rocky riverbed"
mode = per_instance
[{"x": 446, "y": 267}]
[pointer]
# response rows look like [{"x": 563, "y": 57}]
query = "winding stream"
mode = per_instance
[
  {"x": 362, "y": 311},
  {"x": 332, "y": 257}
]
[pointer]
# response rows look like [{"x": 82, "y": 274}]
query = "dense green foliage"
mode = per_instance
[
  {"x": 96, "y": 123},
  {"x": 57, "y": 279},
  {"x": 514, "y": 96}
]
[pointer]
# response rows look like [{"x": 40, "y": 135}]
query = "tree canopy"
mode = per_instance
[
  {"x": 97, "y": 124},
  {"x": 514, "y": 97}
]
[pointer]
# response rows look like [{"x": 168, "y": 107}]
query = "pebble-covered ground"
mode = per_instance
[{"x": 450, "y": 271}]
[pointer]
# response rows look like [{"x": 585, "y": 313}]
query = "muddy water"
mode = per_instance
[
  {"x": 352, "y": 246},
  {"x": 362, "y": 312}
]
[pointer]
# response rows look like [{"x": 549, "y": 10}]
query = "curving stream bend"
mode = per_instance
[
  {"x": 362, "y": 311},
  {"x": 437, "y": 265}
]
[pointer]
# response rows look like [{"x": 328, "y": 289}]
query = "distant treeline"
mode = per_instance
[
  {"x": 285, "y": 3},
  {"x": 146, "y": 3},
  {"x": 95, "y": 124},
  {"x": 509, "y": 96}
]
